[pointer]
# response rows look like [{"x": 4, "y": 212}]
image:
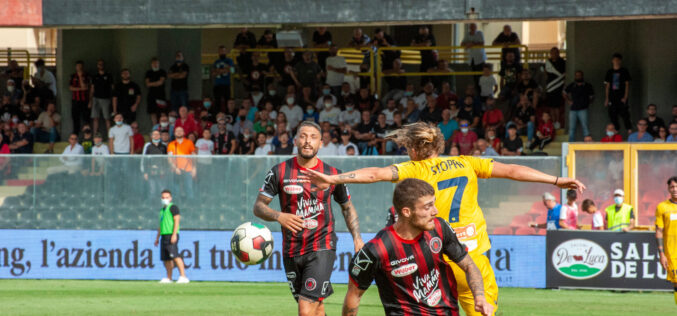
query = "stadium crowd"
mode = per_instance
[{"x": 486, "y": 119}]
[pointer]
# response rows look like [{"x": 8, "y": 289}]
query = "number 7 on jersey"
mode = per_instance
[{"x": 460, "y": 183}]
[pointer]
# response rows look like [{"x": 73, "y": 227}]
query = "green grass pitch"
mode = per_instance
[{"x": 88, "y": 297}]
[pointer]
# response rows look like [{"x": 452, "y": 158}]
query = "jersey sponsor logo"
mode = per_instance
[
  {"x": 292, "y": 189},
  {"x": 434, "y": 298},
  {"x": 673, "y": 216},
  {"x": 435, "y": 244},
  {"x": 310, "y": 284},
  {"x": 308, "y": 208},
  {"x": 325, "y": 287},
  {"x": 310, "y": 223},
  {"x": 579, "y": 259},
  {"x": 291, "y": 181},
  {"x": 426, "y": 288},
  {"x": 465, "y": 232},
  {"x": 361, "y": 260},
  {"x": 400, "y": 261},
  {"x": 404, "y": 270}
]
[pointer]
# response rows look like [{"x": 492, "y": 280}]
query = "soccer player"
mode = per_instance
[
  {"x": 169, "y": 231},
  {"x": 666, "y": 233},
  {"x": 307, "y": 220},
  {"x": 455, "y": 182},
  {"x": 406, "y": 259}
]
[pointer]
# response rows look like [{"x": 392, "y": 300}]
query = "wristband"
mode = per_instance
[{"x": 557, "y": 179}]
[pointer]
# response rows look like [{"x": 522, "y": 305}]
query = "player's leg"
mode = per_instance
[
  {"x": 672, "y": 275},
  {"x": 316, "y": 274},
  {"x": 465, "y": 298},
  {"x": 293, "y": 274},
  {"x": 178, "y": 262},
  {"x": 169, "y": 266}
]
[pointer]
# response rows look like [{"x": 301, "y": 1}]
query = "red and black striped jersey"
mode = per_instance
[
  {"x": 411, "y": 275},
  {"x": 313, "y": 207},
  {"x": 82, "y": 95},
  {"x": 391, "y": 216}
]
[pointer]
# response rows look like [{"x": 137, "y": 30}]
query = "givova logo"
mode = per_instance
[{"x": 579, "y": 259}]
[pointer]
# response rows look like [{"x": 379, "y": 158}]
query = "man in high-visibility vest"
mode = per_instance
[{"x": 620, "y": 216}]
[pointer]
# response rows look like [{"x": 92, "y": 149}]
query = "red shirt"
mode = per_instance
[
  {"x": 75, "y": 83},
  {"x": 190, "y": 125},
  {"x": 492, "y": 117},
  {"x": 138, "y": 142},
  {"x": 617, "y": 138},
  {"x": 547, "y": 129},
  {"x": 444, "y": 98},
  {"x": 465, "y": 142},
  {"x": 496, "y": 144}
]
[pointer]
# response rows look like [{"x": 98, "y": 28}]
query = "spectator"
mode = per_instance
[
  {"x": 307, "y": 71},
  {"x": 322, "y": 39},
  {"x": 4, "y": 149},
  {"x": 381, "y": 40},
  {"x": 79, "y": 87},
  {"x": 45, "y": 129},
  {"x": 406, "y": 95},
  {"x": 350, "y": 116},
  {"x": 545, "y": 133},
  {"x": 473, "y": 42},
  {"x": 365, "y": 101},
  {"x": 284, "y": 71},
  {"x": 268, "y": 40},
  {"x": 411, "y": 112},
  {"x": 641, "y": 135},
  {"x": 465, "y": 139},
  {"x": 292, "y": 112},
  {"x": 184, "y": 168},
  {"x": 428, "y": 56},
  {"x": 285, "y": 148},
  {"x": 364, "y": 132},
  {"x": 120, "y": 137},
  {"x": 493, "y": 141},
  {"x": 390, "y": 111},
  {"x": 138, "y": 138},
  {"x": 617, "y": 87},
  {"x": 328, "y": 148},
  {"x": 254, "y": 75},
  {"x": 165, "y": 139},
  {"x": 336, "y": 69},
  {"x": 396, "y": 84},
  {"x": 469, "y": 113},
  {"x": 153, "y": 168},
  {"x": 620, "y": 216},
  {"x": 673, "y": 133},
  {"x": 263, "y": 121},
  {"x": 485, "y": 149},
  {"x": 178, "y": 72},
  {"x": 7, "y": 109},
  {"x": 360, "y": 41},
  {"x": 99, "y": 149},
  {"x": 381, "y": 129},
  {"x": 554, "y": 210},
  {"x": 330, "y": 113},
  {"x": 44, "y": 81},
  {"x": 14, "y": 72},
  {"x": 27, "y": 116},
  {"x": 326, "y": 92},
  {"x": 528, "y": 87},
  {"x": 432, "y": 114},
  {"x": 12, "y": 92},
  {"x": 126, "y": 97},
  {"x": 512, "y": 144},
  {"x": 100, "y": 96},
  {"x": 351, "y": 151},
  {"x": 662, "y": 135},
  {"x": 345, "y": 143},
  {"x": 247, "y": 142},
  {"x": 442, "y": 68},
  {"x": 225, "y": 141},
  {"x": 243, "y": 41},
  {"x": 447, "y": 126},
  {"x": 568, "y": 217},
  {"x": 578, "y": 95},
  {"x": 588, "y": 139},
  {"x": 555, "y": 69},
  {"x": 164, "y": 125},
  {"x": 205, "y": 145},
  {"x": 476, "y": 152},
  {"x": 487, "y": 82},
  {"x": 598, "y": 216},
  {"x": 21, "y": 141},
  {"x": 156, "y": 101},
  {"x": 187, "y": 122},
  {"x": 422, "y": 99},
  {"x": 612, "y": 135},
  {"x": 493, "y": 117},
  {"x": 510, "y": 72},
  {"x": 654, "y": 122},
  {"x": 311, "y": 114},
  {"x": 221, "y": 70},
  {"x": 262, "y": 147},
  {"x": 70, "y": 164},
  {"x": 453, "y": 108},
  {"x": 87, "y": 139},
  {"x": 346, "y": 96},
  {"x": 446, "y": 96},
  {"x": 505, "y": 39}
]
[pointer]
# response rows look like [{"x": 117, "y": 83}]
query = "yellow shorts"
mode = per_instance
[
  {"x": 465, "y": 297},
  {"x": 672, "y": 270}
]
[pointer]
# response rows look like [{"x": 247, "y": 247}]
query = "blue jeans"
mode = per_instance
[
  {"x": 179, "y": 99},
  {"x": 42, "y": 136},
  {"x": 574, "y": 116}
]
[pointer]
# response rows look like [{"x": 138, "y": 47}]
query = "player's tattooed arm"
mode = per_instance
[
  {"x": 352, "y": 301},
  {"x": 365, "y": 175},
  {"x": 263, "y": 211},
  {"x": 473, "y": 276},
  {"x": 353, "y": 223}
]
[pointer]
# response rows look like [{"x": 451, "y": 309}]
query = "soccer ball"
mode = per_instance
[{"x": 252, "y": 243}]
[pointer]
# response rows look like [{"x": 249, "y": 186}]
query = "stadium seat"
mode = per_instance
[
  {"x": 525, "y": 231},
  {"x": 503, "y": 230},
  {"x": 540, "y": 231},
  {"x": 520, "y": 220},
  {"x": 541, "y": 218}
]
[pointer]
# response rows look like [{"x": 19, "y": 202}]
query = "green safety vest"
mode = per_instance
[
  {"x": 617, "y": 220},
  {"x": 167, "y": 221}
]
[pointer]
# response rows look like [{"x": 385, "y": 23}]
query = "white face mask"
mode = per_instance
[
  {"x": 10, "y": 89},
  {"x": 172, "y": 120},
  {"x": 618, "y": 200},
  {"x": 155, "y": 68},
  {"x": 610, "y": 133},
  {"x": 327, "y": 105},
  {"x": 464, "y": 130},
  {"x": 290, "y": 101},
  {"x": 272, "y": 92},
  {"x": 164, "y": 124},
  {"x": 166, "y": 201}
]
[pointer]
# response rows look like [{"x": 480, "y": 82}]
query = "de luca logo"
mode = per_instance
[{"x": 579, "y": 259}]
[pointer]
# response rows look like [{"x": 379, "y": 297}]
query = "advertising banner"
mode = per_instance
[
  {"x": 604, "y": 260},
  {"x": 130, "y": 255}
]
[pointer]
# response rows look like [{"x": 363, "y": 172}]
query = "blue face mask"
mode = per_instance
[
  {"x": 408, "y": 93},
  {"x": 618, "y": 200},
  {"x": 207, "y": 104},
  {"x": 326, "y": 91},
  {"x": 155, "y": 141},
  {"x": 310, "y": 111},
  {"x": 118, "y": 123}
]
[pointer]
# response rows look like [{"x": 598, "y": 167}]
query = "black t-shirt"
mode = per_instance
[
  {"x": 427, "y": 56},
  {"x": 380, "y": 131},
  {"x": 103, "y": 85},
  {"x": 7, "y": 110},
  {"x": 255, "y": 74},
  {"x": 306, "y": 73},
  {"x": 502, "y": 38},
  {"x": 247, "y": 39},
  {"x": 126, "y": 95},
  {"x": 522, "y": 87},
  {"x": 27, "y": 117},
  {"x": 525, "y": 113},
  {"x": 179, "y": 84},
  {"x": 224, "y": 142},
  {"x": 616, "y": 78},
  {"x": 464, "y": 114},
  {"x": 283, "y": 151},
  {"x": 411, "y": 275},
  {"x": 560, "y": 66},
  {"x": 283, "y": 68},
  {"x": 321, "y": 39},
  {"x": 245, "y": 145},
  {"x": 580, "y": 95},
  {"x": 174, "y": 210},
  {"x": 25, "y": 149},
  {"x": 314, "y": 208},
  {"x": 363, "y": 128},
  {"x": 433, "y": 117},
  {"x": 512, "y": 145},
  {"x": 510, "y": 73},
  {"x": 156, "y": 92},
  {"x": 654, "y": 126}
]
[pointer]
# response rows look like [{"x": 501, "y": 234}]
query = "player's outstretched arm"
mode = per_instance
[
  {"x": 526, "y": 174},
  {"x": 474, "y": 279},
  {"x": 352, "y": 301},
  {"x": 365, "y": 175},
  {"x": 353, "y": 224},
  {"x": 264, "y": 212}
]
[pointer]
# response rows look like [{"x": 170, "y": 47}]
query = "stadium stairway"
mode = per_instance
[
  {"x": 509, "y": 207},
  {"x": 552, "y": 149}
]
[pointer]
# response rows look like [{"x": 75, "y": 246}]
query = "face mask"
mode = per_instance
[
  {"x": 207, "y": 104},
  {"x": 343, "y": 93},
  {"x": 349, "y": 108},
  {"x": 155, "y": 141},
  {"x": 172, "y": 120},
  {"x": 408, "y": 93},
  {"x": 272, "y": 92},
  {"x": 618, "y": 200},
  {"x": 155, "y": 68},
  {"x": 290, "y": 101},
  {"x": 222, "y": 56},
  {"x": 246, "y": 136},
  {"x": 326, "y": 91},
  {"x": 166, "y": 201},
  {"x": 164, "y": 124},
  {"x": 242, "y": 118},
  {"x": 327, "y": 105},
  {"x": 464, "y": 130},
  {"x": 310, "y": 111},
  {"x": 15, "y": 120},
  {"x": 10, "y": 89},
  {"x": 27, "y": 108},
  {"x": 118, "y": 123},
  {"x": 609, "y": 133},
  {"x": 492, "y": 137},
  {"x": 97, "y": 143}
]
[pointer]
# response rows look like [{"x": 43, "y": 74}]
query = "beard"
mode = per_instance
[{"x": 307, "y": 157}]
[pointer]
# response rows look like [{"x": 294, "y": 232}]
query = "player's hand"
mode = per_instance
[
  {"x": 291, "y": 222},
  {"x": 358, "y": 245},
  {"x": 320, "y": 180},
  {"x": 156, "y": 242},
  {"x": 664, "y": 261},
  {"x": 482, "y": 306},
  {"x": 174, "y": 238},
  {"x": 571, "y": 184}
]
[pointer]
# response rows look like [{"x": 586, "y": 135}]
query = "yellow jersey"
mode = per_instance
[
  {"x": 666, "y": 218},
  {"x": 455, "y": 182}
]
